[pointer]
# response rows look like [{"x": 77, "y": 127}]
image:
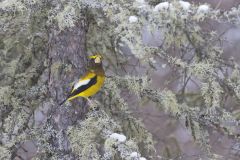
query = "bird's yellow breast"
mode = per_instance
[{"x": 92, "y": 89}]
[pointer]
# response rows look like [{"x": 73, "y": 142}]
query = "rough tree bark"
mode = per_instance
[
  {"x": 35, "y": 81},
  {"x": 66, "y": 49}
]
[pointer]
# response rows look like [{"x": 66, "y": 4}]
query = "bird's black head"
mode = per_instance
[
  {"x": 97, "y": 59},
  {"x": 95, "y": 62}
]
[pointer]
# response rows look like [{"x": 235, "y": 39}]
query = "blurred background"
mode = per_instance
[{"x": 172, "y": 138}]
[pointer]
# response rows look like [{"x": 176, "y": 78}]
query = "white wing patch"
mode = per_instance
[{"x": 81, "y": 83}]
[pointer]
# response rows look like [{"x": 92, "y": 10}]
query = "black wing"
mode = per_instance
[{"x": 83, "y": 87}]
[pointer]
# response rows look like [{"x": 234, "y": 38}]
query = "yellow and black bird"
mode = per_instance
[{"x": 91, "y": 82}]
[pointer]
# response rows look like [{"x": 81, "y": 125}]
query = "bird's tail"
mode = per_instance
[{"x": 63, "y": 102}]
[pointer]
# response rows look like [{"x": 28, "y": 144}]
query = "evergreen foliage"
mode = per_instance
[{"x": 114, "y": 28}]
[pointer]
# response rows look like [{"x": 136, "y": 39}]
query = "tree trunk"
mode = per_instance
[{"x": 67, "y": 60}]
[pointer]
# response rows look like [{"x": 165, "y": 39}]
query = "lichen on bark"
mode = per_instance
[{"x": 40, "y": 58}]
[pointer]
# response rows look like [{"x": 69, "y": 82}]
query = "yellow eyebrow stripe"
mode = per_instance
[{"x": 93, "y": 57}]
